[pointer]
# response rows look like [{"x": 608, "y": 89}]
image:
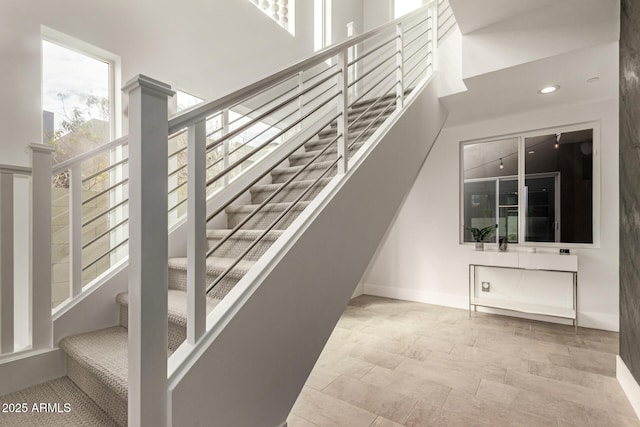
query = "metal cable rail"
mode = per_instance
[{"x": 287, "y": 90}]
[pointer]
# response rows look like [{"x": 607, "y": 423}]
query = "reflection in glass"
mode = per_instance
[
  {"x": 508, "y": 210},
  {"x": 559, "y": 181},
  {"x": 480, "y": 207}
]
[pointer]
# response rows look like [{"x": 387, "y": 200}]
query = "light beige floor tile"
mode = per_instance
[
  {"x": 440, "y": 374},
  {"x": 587, "y": 360},
  {"x": 383, "y": 422},
  {"x": 547, "y": 405},
  {"x": 324, "y": 410},
  {"x": 320, "y": 378},
  {"x": 487, "y": 370},
  {"x": 496, "y": 391},
  {"x": 380, "y": 401},
  {"x": 599, "y": 399},
  {"x": 599, "y": 418},
  {"x": 409, "y": 385},
  {"x": 482, "y": 367},
  {"x": 342, "y": 365},
  {"x": 296, "y": 421},
  {"x": 492, "y": 413},
  {"x": 481, "y": 356},
  {"x": 377, "y": 357},
  {"x": 424, "y": 415},
  {"x": 573, "y": 376}
]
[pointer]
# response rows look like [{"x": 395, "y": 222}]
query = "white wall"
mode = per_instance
[
  {"x": 343, "y": 12},
  {"x": 207, "y": 48},
  {"x": 376, "y": 13},
  {"x": 421, "y": 258}
]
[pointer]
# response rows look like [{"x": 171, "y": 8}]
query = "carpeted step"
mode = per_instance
[
  {"x": 240, "y": 241},
  {"x": 259, "y": 193},
  {"x": 97, "y": 362},
  {"x": 313, "y": 171},
  {"x": 264, "y": 218},
  {"x": 354, "y": 128},
  {"x": 215, "y": 267},
  {"x": 320, "y": 143},
  {"x": 82, "y": 411},
  {"x": 300, "y": 159},
  {"x": 177, "y": 316}
]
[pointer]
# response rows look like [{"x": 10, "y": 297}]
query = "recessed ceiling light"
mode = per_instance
[
  {"x": 593, "y": 79},
  {"x": 549, "y": 89}
]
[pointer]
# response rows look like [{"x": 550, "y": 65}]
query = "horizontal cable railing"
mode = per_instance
[{"x": 343, "y": 96}]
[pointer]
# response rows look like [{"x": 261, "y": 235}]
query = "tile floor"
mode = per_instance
[{"x": 398, "y": 363}]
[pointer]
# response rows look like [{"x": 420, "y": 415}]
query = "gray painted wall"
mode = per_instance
[{"x": 629, "y": 188}]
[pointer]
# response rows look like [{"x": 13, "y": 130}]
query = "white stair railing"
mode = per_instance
[
  {"x": 36, "y": 298},
  {"x": 213, "y": 144},
  {"x": 394, "y": 59}
]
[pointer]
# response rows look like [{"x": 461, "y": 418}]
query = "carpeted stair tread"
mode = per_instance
[
  {"x": 293, "y": 169},
  {"x": 177, "y": 303},
  {"x": 84, "y": 411},
  {"x": 221, "y": 233},
  {"x": 295, "y": 184},
  {"x": 215, "y": 266},
  {"x": 103, "y": 353},
  {"x": 270, "y": 207}
]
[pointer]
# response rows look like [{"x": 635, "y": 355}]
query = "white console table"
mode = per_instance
[{"x": 562, "y": 265}]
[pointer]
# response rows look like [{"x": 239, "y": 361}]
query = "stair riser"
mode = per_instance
[
  {"x": 354, "y": 130},
  {"x": 177, "y": 333},
  {"x": 262, "y": 220},
  {"x": 286, "y": 195},
  {"x": 305, "y": 175},
  {"x": 110, "y": 402},
  {"x": 234, "y": 247},
  {"x": 320, "y": 144},
  {"x": 330, "y": 154},
  {"x": 178, "y": 280}
]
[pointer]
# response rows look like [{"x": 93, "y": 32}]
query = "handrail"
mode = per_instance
[
  {"x": 60, "y": 167},
  {"x": 15, "y": 170},
  {"x": 206, "y": 109},
  {"x": 203, "y": 110}
]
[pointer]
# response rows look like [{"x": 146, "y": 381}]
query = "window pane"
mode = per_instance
[
  {"x": 490, "y": 167},
  {"x": 479, "y": 207},
  {"x": 185, "y": 100},
  {"x": 491, "y": 159},
  {"x": 508, "y": 210},
  {"x": 75, "y": 101},
  {"x": 559, "y": 187}
]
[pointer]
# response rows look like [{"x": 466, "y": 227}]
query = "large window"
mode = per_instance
[
  {"x": 537, "y": 187},
  {"x": 76, "y": 103},
  {"x": 402, "y": 7}
]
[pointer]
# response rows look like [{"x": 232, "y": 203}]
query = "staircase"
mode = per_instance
[{"x": 339, "y": 124}]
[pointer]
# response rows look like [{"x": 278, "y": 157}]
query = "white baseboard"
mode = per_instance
[
  {"x": 594, "y": 320},
  {"x": 447, "y": 300},
  {"x": 629, "y": 384},
  {"x": 31, "y": 368}
]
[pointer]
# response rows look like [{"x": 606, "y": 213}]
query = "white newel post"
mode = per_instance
[
  {"x": 148, "y": 251},
  {"x": 400, "y": 66},
  {"x": 196, "y": 231},
  {"x": 42, "y": 327},
  {"x": 342, "y": 102},
  {"x": 6, "y": 263}
]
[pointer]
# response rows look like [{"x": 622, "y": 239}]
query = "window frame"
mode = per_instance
[{"x": 595, "y": 126}]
